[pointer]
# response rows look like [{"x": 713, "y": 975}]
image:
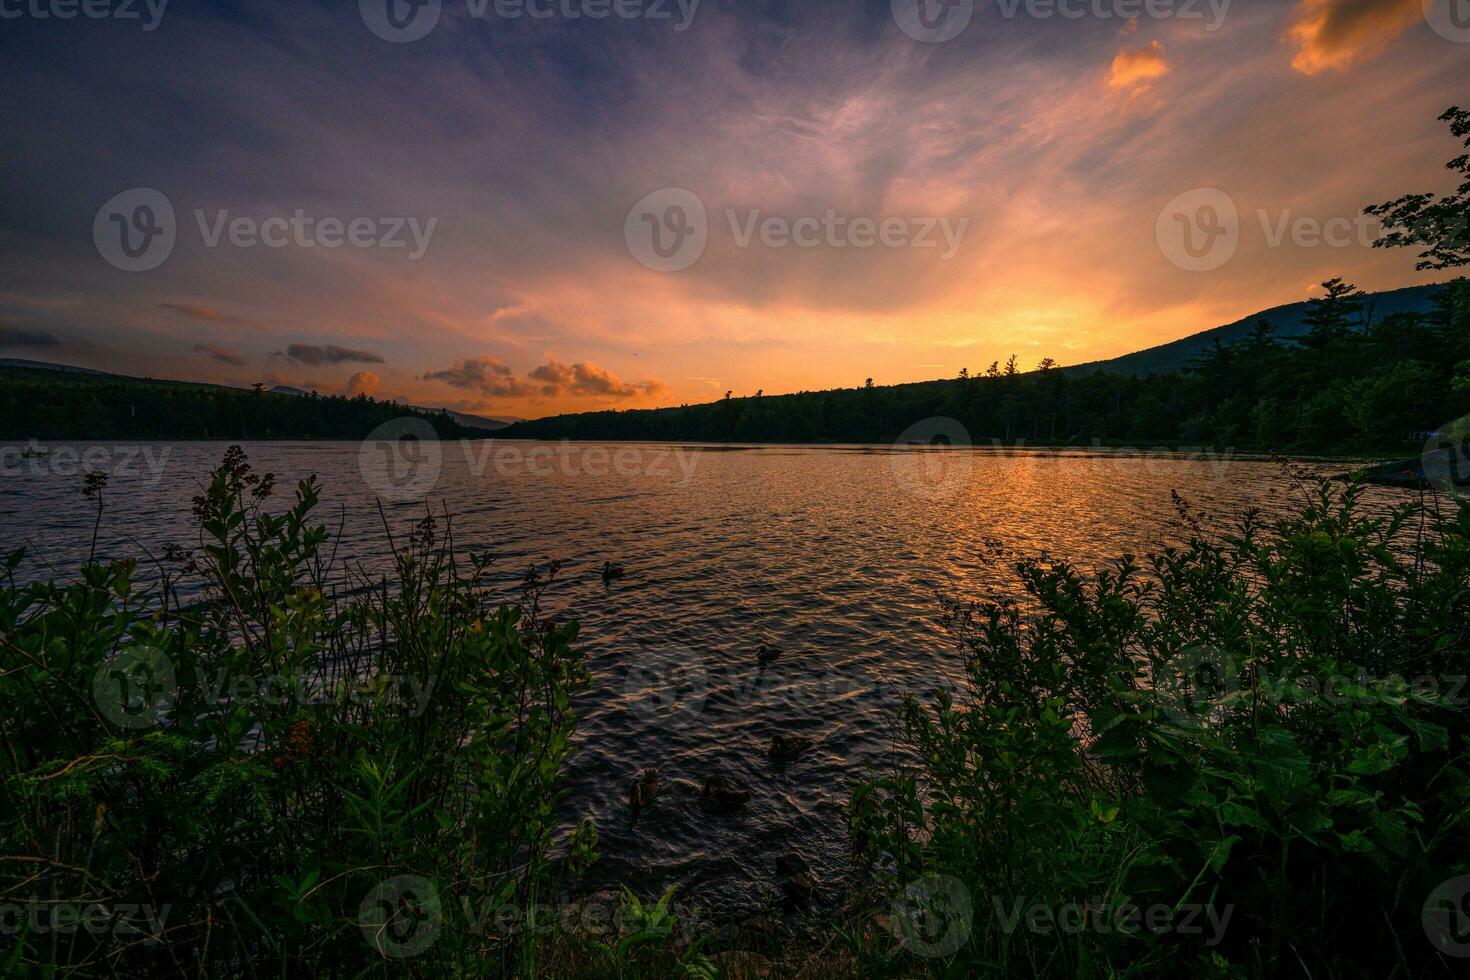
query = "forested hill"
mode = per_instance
[
  {"x": 1353, "y": 380},
  {"x": 1290, "y": 320},
  {"x": 42, "y": 402}
]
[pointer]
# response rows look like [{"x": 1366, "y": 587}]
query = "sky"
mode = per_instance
[{"x": 527, "y": 207}]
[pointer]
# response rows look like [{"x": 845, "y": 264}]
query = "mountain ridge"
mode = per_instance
[
  {"x": 1286, "y": 319},
  {"x": 466, "y": 419}
]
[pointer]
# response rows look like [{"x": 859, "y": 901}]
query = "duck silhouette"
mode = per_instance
[
  {"x": 720, "y": 794},
  {"x": 785, "y": 748},
  {"x": 645, "y": 787}
]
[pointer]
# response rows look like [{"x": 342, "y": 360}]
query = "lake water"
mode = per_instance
[{"x": 839, "y": 554}]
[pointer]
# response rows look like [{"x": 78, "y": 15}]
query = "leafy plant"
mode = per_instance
[
  {"x": 300, "y": 768},
  {"x": 1268, "y": 726}
]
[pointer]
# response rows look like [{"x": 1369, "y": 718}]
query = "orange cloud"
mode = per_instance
[
  {"x": 588, "y": 379},
  {"x": 1136, "y": 68},
  {"x": 493, "y": 378},
  {"x": 1335, "y": 34},
  {"x": 363, "y": 383}
]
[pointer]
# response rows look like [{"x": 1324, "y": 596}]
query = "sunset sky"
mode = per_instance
[{"x": 524, "y": 144}]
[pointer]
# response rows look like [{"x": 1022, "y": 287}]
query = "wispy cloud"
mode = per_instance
[
  {"x": 817, "y": 107},
  {"x": 222, "y": 354},
  {"x": 208, "y": 314}
]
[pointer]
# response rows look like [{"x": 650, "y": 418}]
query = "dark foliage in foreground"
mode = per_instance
[
  {"x": 1265, "y": 732},
  {"x": 287, "y": 778},
  {"x": 1262, "y": 734}
]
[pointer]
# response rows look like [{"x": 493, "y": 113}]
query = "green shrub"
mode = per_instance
[
  {"x": 1265, "y": 729},
  {"x": 286, "y": 774}
]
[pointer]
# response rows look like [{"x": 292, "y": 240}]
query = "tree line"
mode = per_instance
[
  {"x": 42, "y": 404},
  {"x": 1351, "y": 382}
]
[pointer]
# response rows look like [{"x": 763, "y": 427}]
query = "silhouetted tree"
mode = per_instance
[
  {"x": 1330, "y": 318},
  {"x": 1440, "y": 225}
]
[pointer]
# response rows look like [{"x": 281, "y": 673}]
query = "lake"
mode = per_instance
[{"x": 842, "y": 555}]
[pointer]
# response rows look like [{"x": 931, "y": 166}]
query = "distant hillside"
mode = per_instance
[
  {"x": 463, "y": 418},
  {"x": 1348, "y": 386},
  {"x": 48, "y": 401},
  {"x": 1288, "y": 321},
  {"x": 11, "y": 365},
  {"x": 21, "y": 362}
]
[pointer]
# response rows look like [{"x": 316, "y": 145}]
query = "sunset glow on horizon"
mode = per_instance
[{"x": 448, "y": 220}]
